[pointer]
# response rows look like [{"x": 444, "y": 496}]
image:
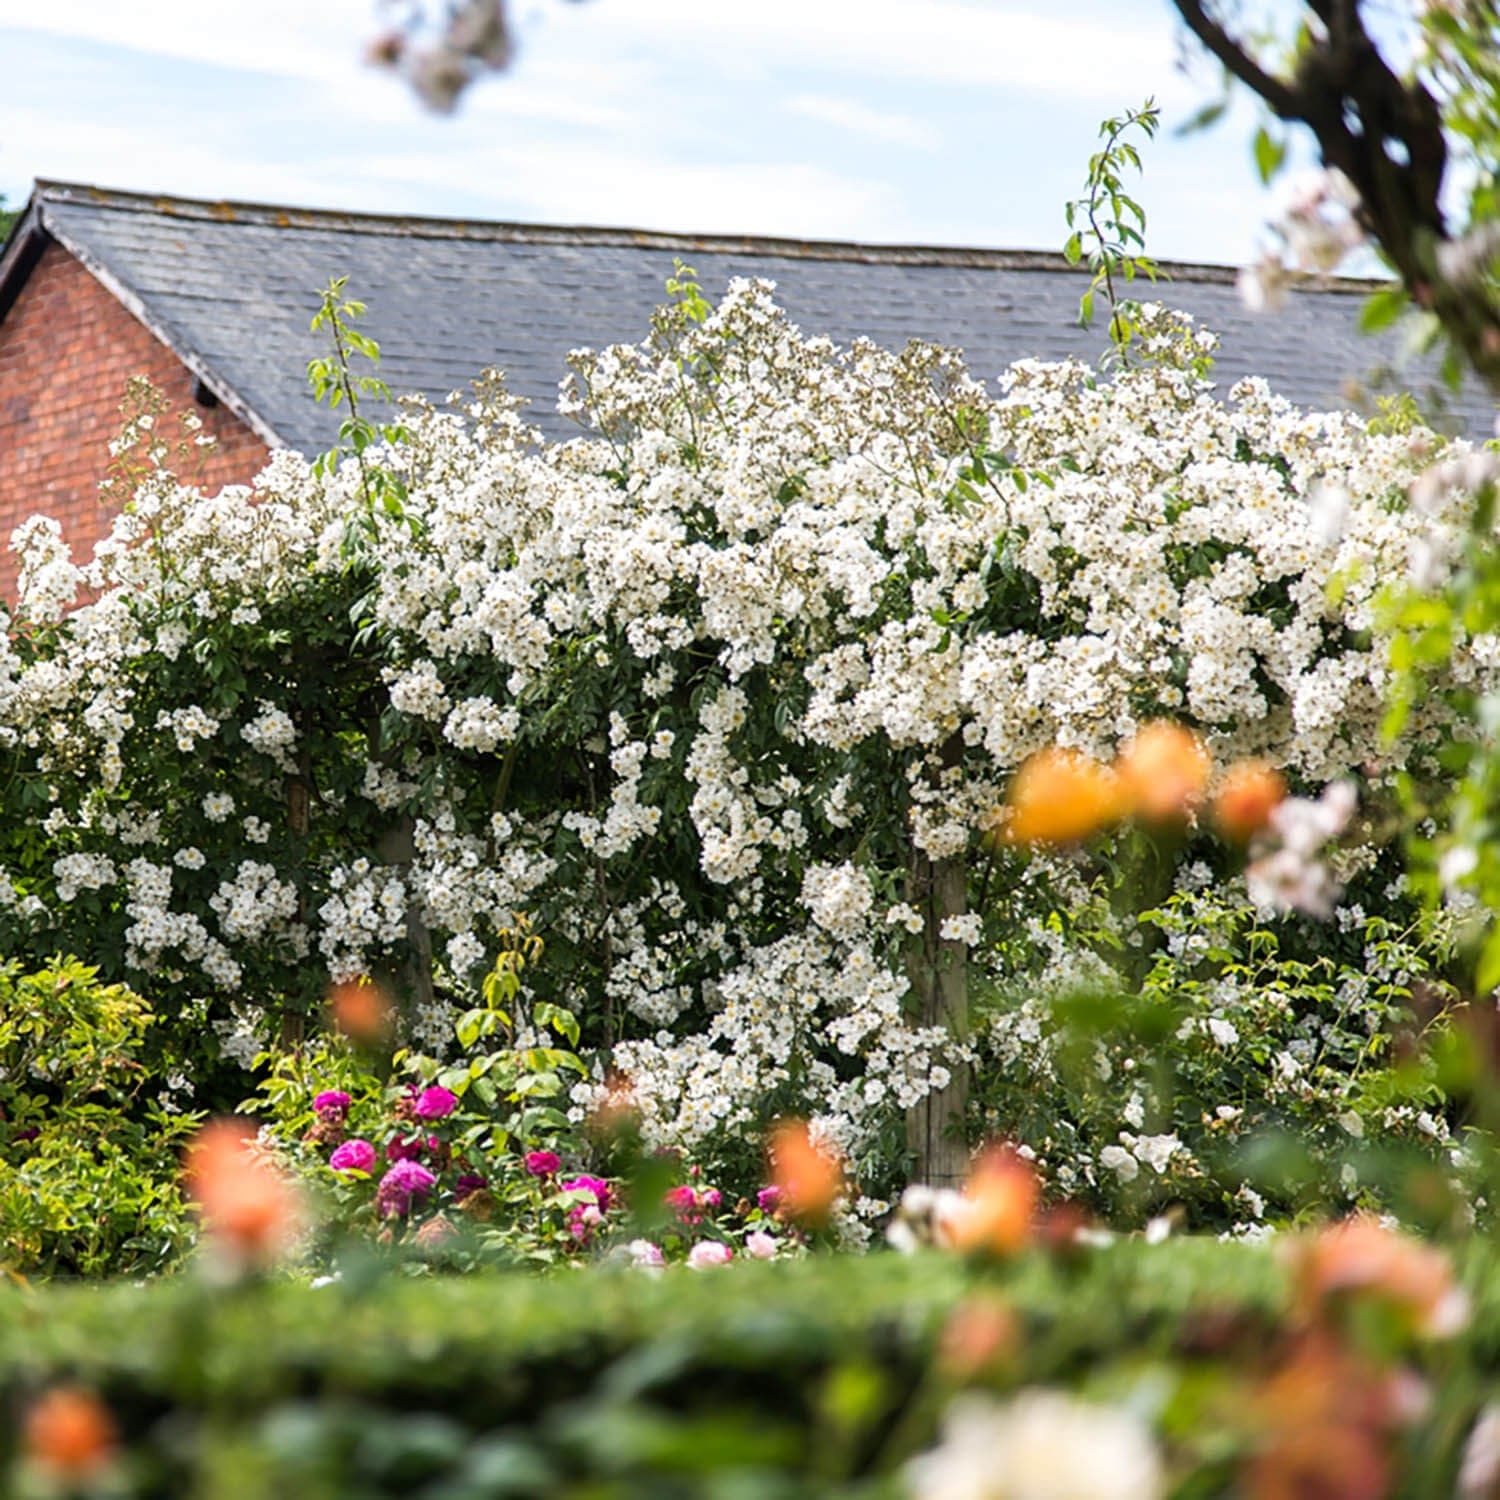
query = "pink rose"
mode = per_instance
[
  {"x": 761, "y": 1245},
  {"x": 542, "y": 1163},
  {"x": 682, "y": 1200},
  {"x": 435, "y": 1103},
  {"x": 709, "y": 1253},
  {"x": 596, "y": 1187},
  {"x": 404, "y": 1183},
  {"x": 405, "y": 1148},
  {"x": 332, "y": 1105},
  {"x": 353, "y": 1156},
  {"x": 768, "y": 1198}
]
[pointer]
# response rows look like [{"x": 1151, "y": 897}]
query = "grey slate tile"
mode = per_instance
[{"x": 236, "y": 286}]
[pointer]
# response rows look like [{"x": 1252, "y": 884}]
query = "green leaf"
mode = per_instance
[
  {"x": 1487, "y": 975},
  {"x": 1269, "y": 154},
  {"x": 1201, "y": 119},
  {"x": 1382, "y": 308}
]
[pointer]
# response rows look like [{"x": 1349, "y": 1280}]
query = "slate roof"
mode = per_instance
[{"x": 231, "y": 288}]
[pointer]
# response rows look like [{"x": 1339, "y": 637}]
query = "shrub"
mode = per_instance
[
  {"x": 722, "y": 695},
  {"x": 473, "y": 1161},
  {"x": 820, "y": 1378},
  {"x": 1256, "y": 1070},
  {"x": 89, "y": 1133}
]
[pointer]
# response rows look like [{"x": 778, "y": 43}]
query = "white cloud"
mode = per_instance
[
  {"x": 990, "y": 44},
  {"x": 862, "y": 120},
  {"x": 658, "y": 113},
  {"x": 285, "y": 38}
]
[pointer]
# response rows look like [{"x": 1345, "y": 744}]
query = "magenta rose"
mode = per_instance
[
  {"x": 405, "y": 1182},
  {"x": 332, "y": 1105},
  {"x": 596, "y": 1186},
  {"x": 435, "y": 1103},
  {"x": 542, "y": 1163},
  {"x": 403, "y": 1148},
  {"x": 353, "y": 1156},
  {"x": 683, "y": 1201},
  {"x": 768, "y": 1198}
]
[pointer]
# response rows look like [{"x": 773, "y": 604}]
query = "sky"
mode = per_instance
[{"x": 955, "y": 122}]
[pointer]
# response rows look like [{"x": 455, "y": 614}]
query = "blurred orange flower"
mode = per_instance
[
  {"x": 1250, "y": 794},
  {"x": 1163, "y": 772},
  {"x": 361, "y": 1009},
  {"x": 1359, "y": 1254},
  {"x": 1323, "y": 1422},
  {"x": 1060, "y": 796},
  {"x": 809, "y": 1177},
  {"x": 250, "y": 1211},
  {"x": 981, "y": 1333},
  {"x": 69, "y": 1433},
  {"x": 998, "y": 1205}
]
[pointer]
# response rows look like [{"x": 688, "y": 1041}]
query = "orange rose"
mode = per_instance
[
  {"x": 981, "y": 1333},
  {"x": 361, "y": 1010},
  {"x": 1163, "y": 772},
  {"x": 70, "y": 1433},
  {"x": 1359, "y": 1255},
  {"x": 1324, "y": 1422},
  {"x": 1250, "y": 794},
  {"x": 998, "y": 1205},
  {"x": 249, "y": 1210},
  {"x": 809, "y": 1177},
  {"x": 1060, "y": 797}
]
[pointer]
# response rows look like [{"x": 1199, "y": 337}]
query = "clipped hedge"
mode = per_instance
[
  {"x": 811, "y": 1378},
  {"x": 756, "y": 1382}
]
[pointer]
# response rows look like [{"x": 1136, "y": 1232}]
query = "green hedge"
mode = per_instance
[
  {"x": 753, "y": 1382},
  {"x": 750, "y": 1381}
]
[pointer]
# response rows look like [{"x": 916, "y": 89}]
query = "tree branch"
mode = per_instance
[
  {"x": 1386, "y": 136},
  {"x": 1275, "y": 91}
]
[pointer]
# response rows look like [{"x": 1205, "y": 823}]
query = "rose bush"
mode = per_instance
[{"x": 722, "y": 694}]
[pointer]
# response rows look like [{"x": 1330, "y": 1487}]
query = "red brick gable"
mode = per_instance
[{"x": 67, "y": 348}]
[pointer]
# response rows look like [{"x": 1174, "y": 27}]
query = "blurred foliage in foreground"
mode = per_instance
[{"x": 826, "y": 1377}]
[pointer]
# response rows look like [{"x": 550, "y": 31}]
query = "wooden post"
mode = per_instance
[
  {"x": 939, "y": 972},
  {"x": 397, "y": 847}
]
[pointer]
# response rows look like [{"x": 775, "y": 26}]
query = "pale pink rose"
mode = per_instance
[
  {"x": 760, "y": 1245},
  {"x": 709, "y": 1253}
]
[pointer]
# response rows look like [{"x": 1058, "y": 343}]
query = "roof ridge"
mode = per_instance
[{"x": 501, "y": 231}]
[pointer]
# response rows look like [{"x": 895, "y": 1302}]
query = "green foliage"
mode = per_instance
[
  {"x": 490, "y": 1203},
  {"x": 89, "y": 1135},
  {"x": 1453, "y": 616},
  {"x": 8, "y": 218},
  {"x": 820, "y": 1379},
  {"x": 578, "y": 1384},
  {"x": 1108, "y": 226},
  {"x": 333, "y": 380},
  {"x": 1254, "y": 1073}
]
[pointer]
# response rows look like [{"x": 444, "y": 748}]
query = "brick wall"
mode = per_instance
[{"x": 67, "y": 347}]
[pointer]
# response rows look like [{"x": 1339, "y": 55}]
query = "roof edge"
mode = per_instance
[
  {"x": 133, "y": 303},
  {"x": 20, "y": 252},
  {"x": 348, "y": 222}
]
